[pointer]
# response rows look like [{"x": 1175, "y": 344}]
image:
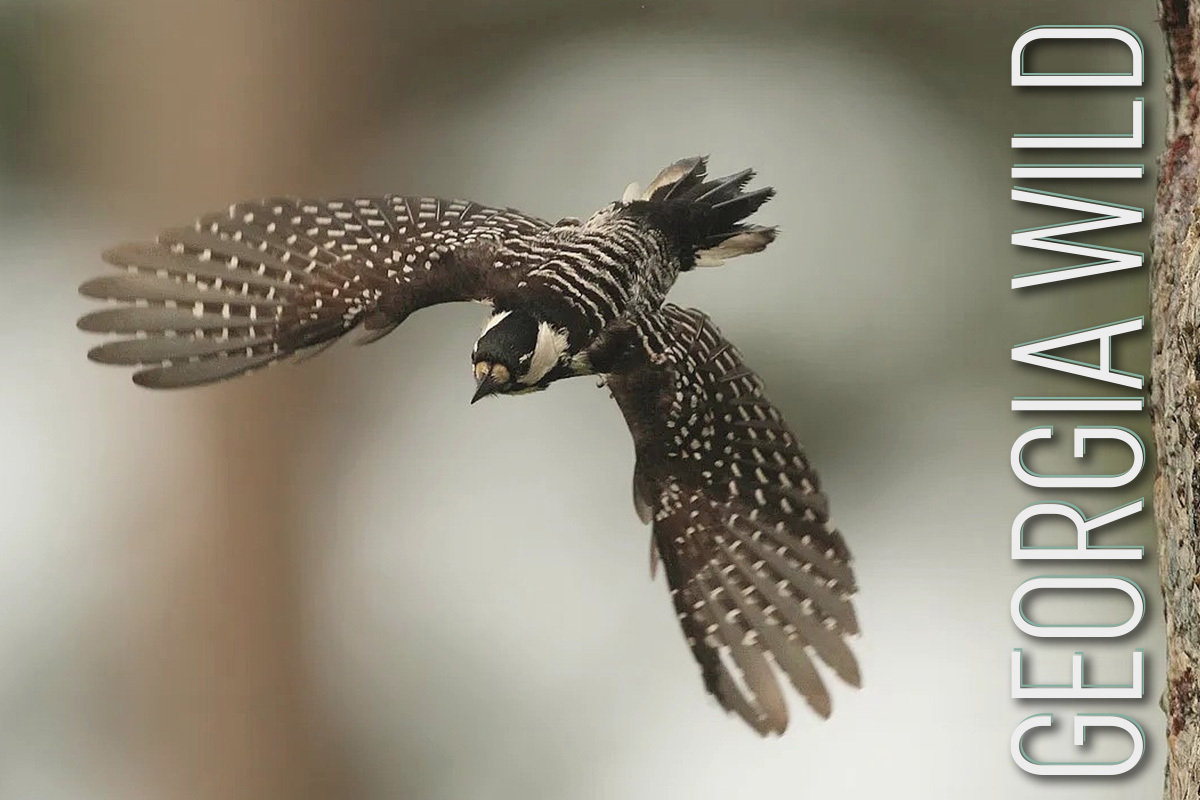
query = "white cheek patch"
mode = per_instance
[{"x": 550, "y": 348}]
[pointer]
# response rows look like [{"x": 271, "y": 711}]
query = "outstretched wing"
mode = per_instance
[
  {"x": 760, "y": 578},
  {"x": 249, "y": 287}
]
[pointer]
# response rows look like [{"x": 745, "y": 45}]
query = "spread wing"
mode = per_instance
[
  {"x": 760, "y": 578},
  {"x": 265, "y": 280}
]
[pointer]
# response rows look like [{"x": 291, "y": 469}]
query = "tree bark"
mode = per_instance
[
  {"x": 223, "y": 100},
  {"x": 1175, "y": 389}
]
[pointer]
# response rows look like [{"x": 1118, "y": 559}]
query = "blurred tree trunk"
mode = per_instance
[
  {"x": 1175, "y": 370},
  {"x": 184, "y": 108}
]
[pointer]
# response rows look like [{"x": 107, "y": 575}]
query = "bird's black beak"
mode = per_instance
[
  {"x": 487, "y": 386},
  {"x": 486, "y": 381}
]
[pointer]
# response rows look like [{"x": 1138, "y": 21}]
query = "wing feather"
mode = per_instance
[
  {"x": 761, "y": 579},
  {"x": 268, "y": 280}
]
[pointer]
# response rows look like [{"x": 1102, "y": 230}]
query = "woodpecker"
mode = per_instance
[{"x": 760, "y": 578}]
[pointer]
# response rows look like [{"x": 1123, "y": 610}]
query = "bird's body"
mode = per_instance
[{"x": 758, "y": 573}]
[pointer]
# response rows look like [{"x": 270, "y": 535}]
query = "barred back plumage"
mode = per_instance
[{"x": 759, "y": 576}]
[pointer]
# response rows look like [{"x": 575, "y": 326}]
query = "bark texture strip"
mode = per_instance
[{"x": 1175, "y": 392}]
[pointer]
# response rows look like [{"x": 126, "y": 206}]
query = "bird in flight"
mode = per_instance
[{"x": 760, "y": 578}]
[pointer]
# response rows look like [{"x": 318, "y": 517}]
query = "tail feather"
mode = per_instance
[
  {"x": 751, "y": 240},
  {"x": 742, "y": 205},
  {"x": 726, "y": 188},
  {"x": 675, "y": 181},
  {"x": 729, "y": 213},
  {"x": 718, "y": 230}
]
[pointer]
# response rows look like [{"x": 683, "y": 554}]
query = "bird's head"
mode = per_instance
[{"x": 518, "y": 353}]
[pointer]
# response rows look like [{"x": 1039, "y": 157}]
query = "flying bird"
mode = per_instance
[{"x": 760, "y": 578}]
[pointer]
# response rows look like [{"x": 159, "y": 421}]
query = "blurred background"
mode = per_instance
[{"x": 341, "y": 581}]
